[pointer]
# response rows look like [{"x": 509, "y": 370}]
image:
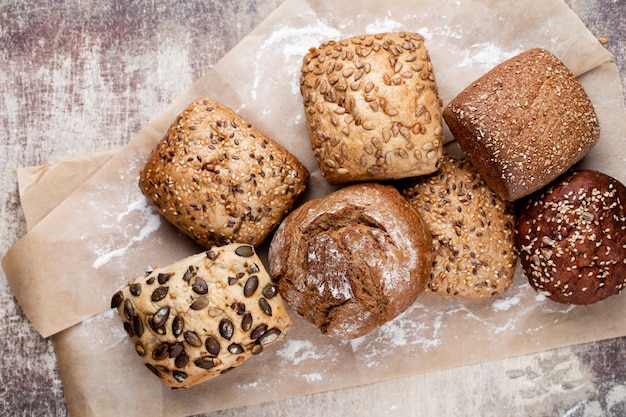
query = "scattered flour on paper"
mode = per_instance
[
  {"x": 99, "y": 328},
  {"x": 504, "y": 304},
  {"x": 312, "y": 377},
  {"x": 486, "y": 55},
  {"x": 150, "y": 222},
  {"x": 293, "y": 43},
  {"x": 384, "y": 25},
  {"x": 296, "y": 351}
]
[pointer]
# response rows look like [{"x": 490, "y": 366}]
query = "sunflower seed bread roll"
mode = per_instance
[
  {"x": 523, "y": 123},
  {"x": 473, "y": 230},
  {"x": 219, "y": 179},
  {"x": 372, "y": 108},
  {"x": 201, "y": 316},
  {"x": 351, "y": 260}
]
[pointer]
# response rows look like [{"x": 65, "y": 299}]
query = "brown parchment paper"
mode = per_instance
[{"x": 63, "y": 272}]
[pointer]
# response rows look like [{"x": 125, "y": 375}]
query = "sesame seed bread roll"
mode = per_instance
[
  {"x": 199, "y": 317},
  {"x": 523, "y": 123},
  {"x": 372, "y": 108},
  {"x": 219, "y": 179},
  {"x": 351, "y": 260},
  {"x": 571, "y": 238},
  {"x": 472, "y": 228}
]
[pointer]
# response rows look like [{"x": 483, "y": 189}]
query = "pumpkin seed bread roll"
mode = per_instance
[
  {"x": 201, "y": 316},
  {"x": 219, "y": 179},
  {"x": 523, "y": 123},
  {"x": 473, "y": 230},
  {"x": 351, "y": 260},
  {"x": 372, "y": 108}
]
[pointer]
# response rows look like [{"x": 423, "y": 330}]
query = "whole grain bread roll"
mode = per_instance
[
  {"x": 472, "y": 228},
  {"x": 201, "y": 316},
  {"x": 571, "y": 238},
  {"x": 372, "y": 108},
  {"x": 219, "y": 179},
  {"x": 523, "y": 123},
  {"x": 351, "y": 260}
]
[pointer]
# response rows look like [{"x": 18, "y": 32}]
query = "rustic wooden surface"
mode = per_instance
[{"x": 77, "y": 77}]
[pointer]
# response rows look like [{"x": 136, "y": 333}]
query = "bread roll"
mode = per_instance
[
  {"x": 199, "y": 317},
  {"x": 472, "y": 228},
  {"x": 219, "y": 179},
  {"x": 351, "y": 260},
  {"x": 572, "y": 238},
  {"x": 372, "y": 108},
  {"x": 523, "y": 123}
]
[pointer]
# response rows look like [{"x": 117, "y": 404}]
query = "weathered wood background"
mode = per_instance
[{"x": 78, "y": 77}]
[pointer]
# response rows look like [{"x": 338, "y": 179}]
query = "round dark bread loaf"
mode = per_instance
[
  {"x": 351, "y": 260},
  {"x": 571, "y": 238}
]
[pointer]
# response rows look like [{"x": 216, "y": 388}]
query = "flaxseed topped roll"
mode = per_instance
[
  {"x": 219, "y": 179},
  {"x": 523, "y": 123},
  {"x": 201, "y": 316},
  {"x": 372, "y": 108},
  {"x": 473, "y": 230}
]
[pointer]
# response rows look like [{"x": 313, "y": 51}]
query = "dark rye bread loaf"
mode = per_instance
[
  {"x": 571, "y": 238},
  {"x": 523, "y": 123},
  {"x": 351, "y": 260},
  {"x": 372, "y": 107},
  {"x": 201, "y": 316},
  {"x": 219, "y": 179}
]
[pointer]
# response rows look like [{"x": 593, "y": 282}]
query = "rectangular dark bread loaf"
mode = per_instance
[{"x": 523, "y": 123}]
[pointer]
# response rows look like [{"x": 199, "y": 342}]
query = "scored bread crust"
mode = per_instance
[
  {"x": 203, "y": 315},
  {"x": 352, "y": 260},
  {"x": 219, "y": 179},
  {"x": 571, "y": 238},
  {"x": 523, "y": 123},
  {"x": 472, "y": 228},
  {"x": 372, "y": 107}
]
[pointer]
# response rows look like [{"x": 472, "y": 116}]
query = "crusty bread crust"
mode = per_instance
[
  {"x": 523, "y": 123},
  {"x": 372, "y": 108},
  {"x": 352, "y": 260},
  {"x": 219, "y": 179}
]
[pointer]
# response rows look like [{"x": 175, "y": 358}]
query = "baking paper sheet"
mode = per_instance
[{"x": 66, "y": 268}]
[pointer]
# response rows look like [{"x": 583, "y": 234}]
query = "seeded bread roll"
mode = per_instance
[
  {"x": 199, "y": 317},
  {"x": 523, "y": 123},
  {"x": 351, "y": 260},
  {"x": 572, "y": 238},
  {"x": 372, "y": 108},
  {"x": 473, "y": 230},
  {"x": 220, "y": 180}
]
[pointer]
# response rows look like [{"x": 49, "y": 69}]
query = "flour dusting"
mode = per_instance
[
  {"x": 487, "y": 55},
  {"x": 293, "y": 43},
  {"x": 148, "y": 224},
  {"x": 386, "y": 24},
  {"x": 296, "y": 351},
  {"x": 504, "y": 304},
  {"x": 104, "y": 329}
]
